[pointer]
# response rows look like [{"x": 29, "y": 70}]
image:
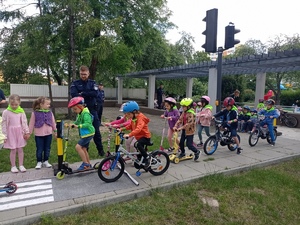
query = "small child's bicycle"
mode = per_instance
[
  {"x": 9, "y": 188},
  {"x": 261, "y": 132},
  {"x": 113, "y": 166}
]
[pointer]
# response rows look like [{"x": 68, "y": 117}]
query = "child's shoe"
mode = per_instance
[
  {"x": 239, "y": 150},
  {"x": 38, "y": 165},
  {"x": 22, "y": 168},
  {"x": 272, "y": 143},
  {"x": 181, "y": 155},
  {"x": 171, "y": 149},
  {"x": 14, "y": 169},
  {"x": 200, "y": 144},
  {"x": 47, "y": 164},
  {"x": 84, "y": 166},
  {"x": 147, "y": 162},
  {"x": 197, "y": 155}
]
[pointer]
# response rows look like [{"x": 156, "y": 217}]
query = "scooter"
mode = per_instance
[
  {"x": 9, "y": 188},
  {"x": 174, "y": 156},
  {"x": 63, "y": 167}
]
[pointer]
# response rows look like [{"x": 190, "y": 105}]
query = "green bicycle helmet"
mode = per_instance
[{"x": 186, "y": 102}]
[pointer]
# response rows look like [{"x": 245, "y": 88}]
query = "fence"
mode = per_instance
[{"x": 33, "y": 91}]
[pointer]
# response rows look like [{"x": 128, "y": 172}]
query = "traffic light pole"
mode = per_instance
[{"x": 219, "y": 78}]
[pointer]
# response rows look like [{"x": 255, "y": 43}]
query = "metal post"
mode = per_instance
[{"x": 219, "y": 79}]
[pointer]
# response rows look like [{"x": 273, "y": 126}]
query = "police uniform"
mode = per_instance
[{"x": 89, "y": 91}]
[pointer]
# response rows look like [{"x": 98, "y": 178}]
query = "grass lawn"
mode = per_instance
[{"x": 268, "y": 195}]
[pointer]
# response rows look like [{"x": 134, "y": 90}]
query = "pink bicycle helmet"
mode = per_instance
[
  {"x": 206, "y": 98},
  {"x": 75, "y": 101},
  {"x": 170, "y": 100}
]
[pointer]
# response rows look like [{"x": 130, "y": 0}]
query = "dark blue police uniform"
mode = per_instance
[{"x": 89, "y": 91}]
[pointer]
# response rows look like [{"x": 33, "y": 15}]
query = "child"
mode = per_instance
[
  {"x": 204, "y": 115},
  {"x": 187, "y": 124},
  {"x": 139, "y": 129},
  {"x": 246, "y": 122},
  {"x": 260, "y": 105},
  {"x": 172, "y": 115},
  {"x": 230, "y": 119},
  {"x": 43, "y": 124},
  {"x": 240, "y": 119},
  {"x": 16, "y": 131},
  {"x": 84, "y": 123},
  {"x": 270, "y": 113},
  {"x": 2, "y": 137},
  {"x": 123, "y": 122}
]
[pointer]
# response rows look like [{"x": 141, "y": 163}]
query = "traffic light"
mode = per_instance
[
  {"x": 210, "y": 33},
  {"x": 230, "y": 31}
]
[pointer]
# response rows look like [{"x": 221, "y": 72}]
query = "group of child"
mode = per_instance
[{"x": 16, "y": 131}]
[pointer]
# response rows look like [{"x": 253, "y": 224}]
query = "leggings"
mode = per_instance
[{"x": 13, "y": 155}]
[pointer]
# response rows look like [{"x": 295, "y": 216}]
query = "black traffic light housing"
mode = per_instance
[
  {"x": 230, "y": 31},
  {"x": 210, "y": 32}
]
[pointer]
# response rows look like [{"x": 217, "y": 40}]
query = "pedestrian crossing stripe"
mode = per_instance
[{"x": 28, "y": 193}]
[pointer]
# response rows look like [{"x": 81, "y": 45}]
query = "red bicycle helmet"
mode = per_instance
[
  {"x": 75, "y": 101},
  {"x": 228, "y": 102}
]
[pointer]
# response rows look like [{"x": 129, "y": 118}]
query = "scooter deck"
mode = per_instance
[{"x": 175, "y": 159}]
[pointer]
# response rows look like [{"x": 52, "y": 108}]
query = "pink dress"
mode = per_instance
[{"x": 14, "y": 126}]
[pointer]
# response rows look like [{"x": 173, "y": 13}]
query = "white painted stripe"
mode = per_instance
[
  {"x": 36, "y": 201},
  {"x": 28, "y": 189},
  {"x": 36, "y": 182},
  {"x": 14, "y": 197}
]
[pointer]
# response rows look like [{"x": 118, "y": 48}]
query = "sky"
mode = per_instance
[{"x": 257, "y": 19}]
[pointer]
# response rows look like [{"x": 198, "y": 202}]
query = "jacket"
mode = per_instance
[
  {"x": 229, "y": 115},
  {"x": 86, "y": 89},
  {"x": 205, "y": 115},
  {"x": 174, "y": 114},
  {"x": 269, "y": 112},
  {"x": 187, "y": 120},
  {"x": 139, "y": 127},
  {"x": 84, "y": 121}
]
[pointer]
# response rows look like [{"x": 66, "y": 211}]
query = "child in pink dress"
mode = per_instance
[
  {"x": 16, "y": 131},
  {"x": 42, "y": 123},
  {"x": 123, "y": 122}
]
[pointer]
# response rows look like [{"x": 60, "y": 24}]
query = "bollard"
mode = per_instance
[
  {"x": 274, "y": 122},
  {"x": 59, "y": 127}
]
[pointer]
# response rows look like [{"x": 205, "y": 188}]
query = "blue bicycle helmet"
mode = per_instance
[
  {"x": 247, "y": 107},
  {"x": 130, "y": 107}
]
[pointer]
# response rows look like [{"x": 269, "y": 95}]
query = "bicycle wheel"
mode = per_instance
[
  {"x": 115, "y": 170},
  {"x": 233, "y": 146},
  {"x": 160, "y": 163},
  {"x": 210, "y": 145},
  {"x": 269, "y": 137},
  {"x": 12, "y": 188},
  {"x": 253, "y": 138},
  {"x": 290, "y": 121}
]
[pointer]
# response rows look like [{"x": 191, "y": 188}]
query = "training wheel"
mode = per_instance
[
  {"x": 60, "y": 175},
  {"x": 96, "y": 165},
  {"x": 176, "y": 160}
]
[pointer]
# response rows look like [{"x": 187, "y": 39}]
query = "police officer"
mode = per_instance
[{"x": 88, "y": 89}]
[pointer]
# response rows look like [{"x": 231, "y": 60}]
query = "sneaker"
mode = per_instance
[
  {"x": 39, "y": 165},
  {"x": 147, "y": 162},
  {"x": 197, "y": 155},
  {"x": 101, "y": 153},
  {"x": 200, "y": 144},
  {"x": 181, "y": 155},
  {"x": 171, "y": 149},
  {"x": 14, "y": 169},
  {"x": 22, "y": 169},
  {"x": 239, "y": 150},
  {"x": 84, "y": 166},
  {"x": 47, "y": 164},
  {"x": 273, "y": 143}
]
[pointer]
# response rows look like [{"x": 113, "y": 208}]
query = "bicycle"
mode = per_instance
[
  {"x": 261, "y": 132},
  {"x": 211, "y": 144},
  {"x": 113, "y": 166},
  {"x": 287, "y": 120}
]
